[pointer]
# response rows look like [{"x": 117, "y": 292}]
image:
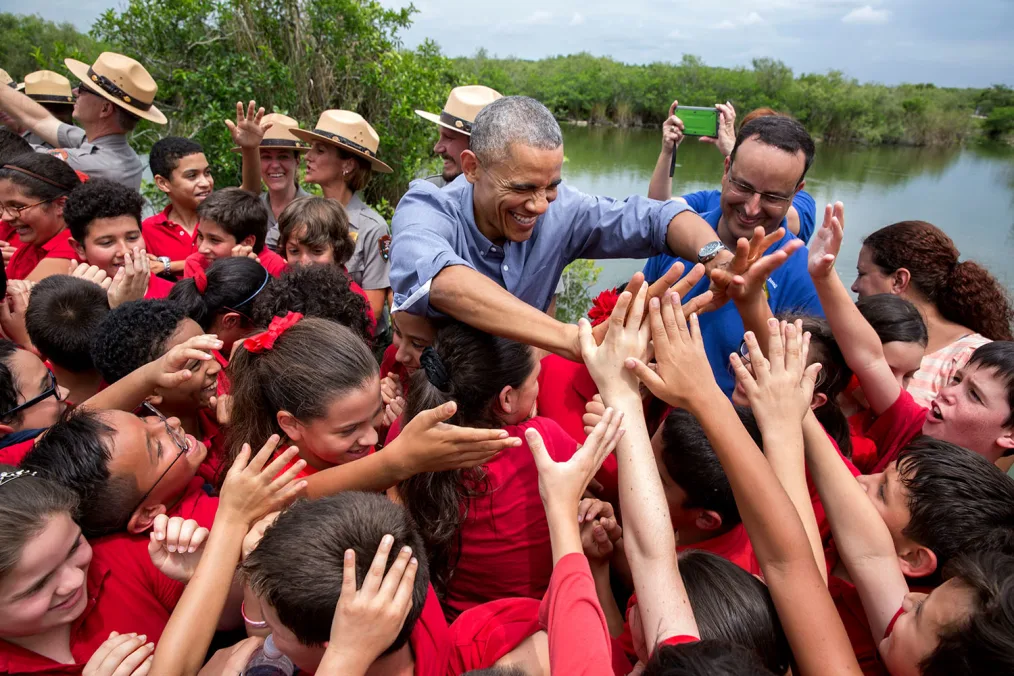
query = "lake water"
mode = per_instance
[{"x": 967, "y": 192}]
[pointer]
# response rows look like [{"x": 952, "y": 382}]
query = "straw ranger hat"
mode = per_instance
[
  {"x": 462, "y": 106},
  {"x": 350, "y": 132},
  {"x": 279, "y": 134},
  {"x": 45, "y": 86},
  {"x": 121, "y": 80}
]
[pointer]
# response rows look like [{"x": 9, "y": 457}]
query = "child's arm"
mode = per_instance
[
  {"x": 426, "y": 444},
  {"x": 860, "y": 535},
  {"x": 250, "y": 489},
  {"x": 807, "y": 613},
  {"x": 859, "y": 343},
  {"x": 599, "y": 534},
  {"x": 660, "y": 186},
  {"x": 248, "y": 132},
  {"x": 649, "y": 541},
  {"x": 169, "y": 370}
]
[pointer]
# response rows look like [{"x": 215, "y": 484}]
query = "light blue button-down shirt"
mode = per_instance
[{"x": 434, "y": 228}]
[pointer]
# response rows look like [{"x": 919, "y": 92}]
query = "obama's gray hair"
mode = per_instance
[{"x": 510, "y": 120}]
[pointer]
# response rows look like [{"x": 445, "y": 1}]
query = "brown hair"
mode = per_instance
[
  {"x": 310, "y": 364},
  {"x": 360, "y": 176},
  {"x": 26, "y": 503},
  {"x": 963, "y": 292},
  {"x": 239, "y": 213},
  {"x": 760, "y": 112},
  {"x": 323, "y": 221}
]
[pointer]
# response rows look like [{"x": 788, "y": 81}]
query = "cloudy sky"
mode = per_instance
[{"x": 941, "y": 41}]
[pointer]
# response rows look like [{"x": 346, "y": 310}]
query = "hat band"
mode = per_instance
[
  {"x": 345, "y": 142},
  {"x": 458, "y": 123},
  {"x": 51, "y": 98},
  {"x": 281, "y": 142},
  {"x": 110, "y": 88}
]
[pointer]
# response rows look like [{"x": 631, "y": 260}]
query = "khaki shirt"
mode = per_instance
[
  {"x": 107, "y": 157},
  {"x": 370, "y": 265},
  {"x": 273, "y": 232}
]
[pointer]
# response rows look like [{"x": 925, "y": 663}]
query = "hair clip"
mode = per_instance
[
  {"x": 265, "y": 341},
  {"x": 7, "y": 477}
]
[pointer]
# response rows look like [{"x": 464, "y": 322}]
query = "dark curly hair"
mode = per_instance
[
  {"x": 964, "y": 292},
  {"x": 133, "y": 335},
  {"x": 166, "y": 154},
  {"x": 322, "y": 291},
  {"x": 12, "y": 145},
  {"x": 99, "y": 198}
]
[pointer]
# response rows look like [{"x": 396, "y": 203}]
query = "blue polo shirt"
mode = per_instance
[
  {"x": 704, "y": 201},
  {"x": 789, "y": 290}
]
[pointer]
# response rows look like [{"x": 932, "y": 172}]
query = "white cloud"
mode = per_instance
[
  {"x": 751, "y": 19},
  {"x": 725, "y": 25},
  {"x": 577, "y": 19},
  {"x": 539, "y": 17},
  {"x": 866, "y": 14},
  {"x": 675, "y": 35}
]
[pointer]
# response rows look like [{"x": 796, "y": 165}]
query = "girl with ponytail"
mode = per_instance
[
  {"x": 963, "y": 304},
  {"x": 33, "y": 191},
  {"x": 485, "y": 528}
]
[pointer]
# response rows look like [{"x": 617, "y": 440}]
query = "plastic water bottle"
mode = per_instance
[{"x": 269, "y": 661}]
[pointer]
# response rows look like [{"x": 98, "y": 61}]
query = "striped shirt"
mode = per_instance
[{"x": 938, "y": 368}]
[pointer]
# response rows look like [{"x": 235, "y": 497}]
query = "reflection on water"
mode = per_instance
[{"x": 968, "y": 192}]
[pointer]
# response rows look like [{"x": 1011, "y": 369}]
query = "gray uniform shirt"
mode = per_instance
[
  {"x": 36, "y": 141},
  {"x": 273, "y": 232},
  {"x": 369, "y": 266},
  {"x": 107, "y": 157}
]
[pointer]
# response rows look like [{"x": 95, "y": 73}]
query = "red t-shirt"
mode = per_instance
[
  {"x": 857, "y": 626},
  {"x": 370, "y": 319},
  {"x": 196, "y": 504},
  {"x": 213, "y": 438},
  {"x": 564, "y": 389},
  {"x": 162, "y": 237},
  {"x": 895, "y": 428},
  {"x": 28, "y": 256},
  {"x": 864, "y": 449},
  {"x": 579, "y": 641},
  {"x": 390, "y": 365},
  {"x": 158, "y": 287},
  {"x": 430, "y": 639},
  {"x": 823, "y": 525},
  {"x": 504, "y": 541},
  {"x": 483, "y": 634},
  {"x": 272, "y": 262},
  {"x": 15, "y": 453},
  {"x": 9, "y": 234},
  {"x": 126, "y": 593}
]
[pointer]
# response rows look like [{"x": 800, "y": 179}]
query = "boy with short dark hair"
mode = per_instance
[
  {"x": 104, "y": 219},
  {"x": 233, "y": 222},
  {"x": 63, "y": 317},
  {"x": 181, "y": 172},
  {"x": 296, "y": 573}
]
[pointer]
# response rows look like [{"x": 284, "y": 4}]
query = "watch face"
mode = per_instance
[{"x": 710, "y": 249}]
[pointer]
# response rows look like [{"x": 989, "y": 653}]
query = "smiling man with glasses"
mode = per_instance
[{"x": 765, "y": 170}]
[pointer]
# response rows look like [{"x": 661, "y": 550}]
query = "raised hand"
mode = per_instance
[
  {"x": 672, "y": 129},
  {"x": 750, "y": 269},
  {"x": 599, "y": 530},
  {"x": 593, "y": 412},
  {"x": 131, "y": 281},
  {"x": 780, "y": 388},
  {"x": 369, "y": 619},
  {"x": 175, "y": 546},
  {"x": 92, "y": 273},
  {"x": 248, "y": 130},
  {"x": 682, "y": 367},
  {"x": 255, "y": 486},
  {"x": 121, "y": 655},
  {"x": 826, "y": 242},
  {"x": 175, "y": 366},
  {"x": 726, "y": 139},
  {"x": 13, "y": 309},
  {"x": 563, "y": 483},
  {"x": 627, "y": 337}
]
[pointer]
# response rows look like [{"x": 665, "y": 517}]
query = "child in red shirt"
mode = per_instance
[
  {"x": 411, "y": 335},
  {"x": 30, "y": 401},
  {"x": 33, "y": 192},
  {"x": 299, "y": 587},
  {"x": 233, "y": 222},
  {"x": 61, "y": 581},
  {"x": 181, "y": 171},
  {"x": 104, "y": 219},
  {"x": 485, "y": 531}
]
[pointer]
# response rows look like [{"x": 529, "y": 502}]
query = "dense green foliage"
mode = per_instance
[
  {"x": 31, "y": 43},
  {"x": 833, "y": 106}
]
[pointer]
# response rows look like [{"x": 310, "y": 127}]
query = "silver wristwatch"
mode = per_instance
[
  {"x": 166, "y": 262},
  {"x": 710, "y": 250}
]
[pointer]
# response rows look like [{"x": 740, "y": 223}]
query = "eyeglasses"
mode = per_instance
[
  {"x": 744, "y": 355},
  {"x": 51, "y": 391},
  {"x": 743, "y": 190},
  {"x": 175, "y": 434},
  {"x": 8, "y": 209}
]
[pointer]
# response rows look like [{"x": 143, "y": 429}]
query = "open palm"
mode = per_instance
[{"x": 826, "y": 242}]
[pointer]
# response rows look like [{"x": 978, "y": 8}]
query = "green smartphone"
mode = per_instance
[{"x": 698, "y": 121}]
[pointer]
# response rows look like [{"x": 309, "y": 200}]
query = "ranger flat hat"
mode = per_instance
[
  {"x": 462, "y": 106},
  {"x": 279, "y": 134},
  {"x": 348, "y": 131},
  {"x": 123, "y": 81},
  {"x": 45, "y": 86}
]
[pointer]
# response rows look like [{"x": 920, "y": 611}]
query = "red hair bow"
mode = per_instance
[
  {"x": 200, "y": 281},
  {"x": 603, "y": 306},
  {"x": 264, "y": 341}
]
